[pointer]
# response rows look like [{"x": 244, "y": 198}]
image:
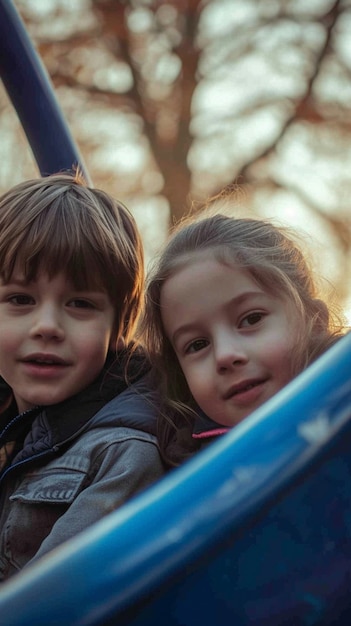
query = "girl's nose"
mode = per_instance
[
  {"x": 230, "y": 352},
  {"x": 47, "y": 323}
]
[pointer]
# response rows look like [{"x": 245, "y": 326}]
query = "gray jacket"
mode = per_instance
[{"x": 70, "y": 472}]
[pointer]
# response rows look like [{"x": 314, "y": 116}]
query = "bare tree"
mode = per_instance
[{"x": 200, "y": 95}]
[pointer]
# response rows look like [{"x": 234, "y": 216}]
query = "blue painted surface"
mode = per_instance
[
  {"x": 31, "y": 93},
  {"x": 254, "y": 530}
]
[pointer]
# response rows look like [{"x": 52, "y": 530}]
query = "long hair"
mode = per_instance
[
  {"x": 274, "y": 261},
  {"x": 59, "y": 224}
]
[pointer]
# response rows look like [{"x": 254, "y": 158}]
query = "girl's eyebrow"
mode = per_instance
[{"x": 237, "y": 301}]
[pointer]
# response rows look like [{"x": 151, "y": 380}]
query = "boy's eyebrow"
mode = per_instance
[
  {"x": 22, "y": 282},
  {"x": 16, "y": 280},
  {"x": 91, "y": 292},
  {"x": 237, "y": 300}
]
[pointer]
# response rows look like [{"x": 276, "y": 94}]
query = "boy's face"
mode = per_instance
[
  {"x": 234, "y": 341},
  {"x": 53, "y": 339}
]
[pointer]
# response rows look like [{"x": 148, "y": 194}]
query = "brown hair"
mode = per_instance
[
  {"x": 275, "y": 262},
  {"x": 60, "y": 224}
]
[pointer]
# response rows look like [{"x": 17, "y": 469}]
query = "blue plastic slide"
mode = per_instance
[{"x": 254, "y": 530}]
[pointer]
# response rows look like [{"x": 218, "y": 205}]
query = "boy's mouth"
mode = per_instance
[{"x": 44, "y": 359}]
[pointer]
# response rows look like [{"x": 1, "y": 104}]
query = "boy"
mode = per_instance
[{"x": 71, "y": 448}]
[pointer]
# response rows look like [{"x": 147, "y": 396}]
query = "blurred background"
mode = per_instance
[{"x": 172, "y": 101}]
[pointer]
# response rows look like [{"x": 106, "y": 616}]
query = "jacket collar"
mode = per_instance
[
  {"x": 205, "y": 428},
  {"x": 68, "y": 417}
]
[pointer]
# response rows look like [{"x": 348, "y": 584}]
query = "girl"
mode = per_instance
[{"x": 232, "y": 315}]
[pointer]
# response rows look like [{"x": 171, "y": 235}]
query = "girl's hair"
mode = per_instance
[
  {"x": 273, "y": 260},
  {"x": 59, "y": 224}
]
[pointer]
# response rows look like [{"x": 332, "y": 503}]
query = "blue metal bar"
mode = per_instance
[{"x": 30, "y": 90}]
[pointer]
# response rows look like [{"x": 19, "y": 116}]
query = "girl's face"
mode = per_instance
[{"x": 234, "y": 341}]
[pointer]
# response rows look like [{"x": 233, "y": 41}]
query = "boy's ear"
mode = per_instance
[
  {"x": 121, "y": 344},
  {"x": 117, "y": 344}
]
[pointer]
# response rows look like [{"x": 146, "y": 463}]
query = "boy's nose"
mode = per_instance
[
  {"x": 47, "y": 323},
  {"x": 230, "y": 352}
]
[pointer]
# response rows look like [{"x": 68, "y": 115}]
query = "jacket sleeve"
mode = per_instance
[{"x": 120, "y": 470}]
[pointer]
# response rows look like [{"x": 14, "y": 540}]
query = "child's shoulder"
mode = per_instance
[{"x": 136, "y": 407}]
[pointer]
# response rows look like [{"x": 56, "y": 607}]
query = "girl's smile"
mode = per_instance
[{"x": 233, "y": 340}]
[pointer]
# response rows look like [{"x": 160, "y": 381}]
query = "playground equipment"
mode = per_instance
[
  {"x": 256, "y": 530},
  {"x": 32, "y": 95}
]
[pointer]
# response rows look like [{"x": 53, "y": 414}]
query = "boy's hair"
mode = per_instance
[
  {"x": 271, "y": 257},
  {"x": 59, "y": 224}
]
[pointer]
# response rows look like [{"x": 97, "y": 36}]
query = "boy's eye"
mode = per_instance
[
  {"x": 20, "y": 299},
  {"x": 195, "y": 346},
  {"x": 252, "y": 318},
  {"x": 79, "y": 303}
]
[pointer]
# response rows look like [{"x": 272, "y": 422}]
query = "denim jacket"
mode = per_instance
[{"x": 79, "y": 460}]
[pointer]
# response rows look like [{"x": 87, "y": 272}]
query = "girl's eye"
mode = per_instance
[
  {"x": 21, "y": 300},
  {"x": 195, "y": 346},
  {"x": 79, "y": 303},
  {"x": 252, "y": 318}
]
